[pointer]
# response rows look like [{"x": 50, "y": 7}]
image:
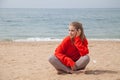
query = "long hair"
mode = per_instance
[{"x": 77, "y": 26}]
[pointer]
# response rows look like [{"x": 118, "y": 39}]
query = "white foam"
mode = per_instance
[
  {"x": 55, "y": 39},
  {"x": 104, "y": 39},
  {"x": 36, "y": 39}
]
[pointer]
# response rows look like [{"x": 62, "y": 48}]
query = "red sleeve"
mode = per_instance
[
  {"x": 60, "y": 54},
  {"x": 82, "y": 46}
]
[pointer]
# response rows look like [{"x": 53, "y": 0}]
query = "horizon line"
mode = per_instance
[{"x": 59, "y": 8}]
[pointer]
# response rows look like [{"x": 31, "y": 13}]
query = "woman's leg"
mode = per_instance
[
  {"x": 58, "y": 65},
  {"x": 82, "y": 62}
]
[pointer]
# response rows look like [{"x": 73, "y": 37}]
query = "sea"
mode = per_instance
[{"x": 44, "y": 24}]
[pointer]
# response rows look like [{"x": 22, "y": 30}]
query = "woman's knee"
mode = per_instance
[
  {"x": 52, "y": 59},
  {"x": 87, "y": 58}
]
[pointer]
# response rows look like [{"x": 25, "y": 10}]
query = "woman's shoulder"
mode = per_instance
[
  {"x": 85, "y": 41},
  {"x": 66, "y": 39}
]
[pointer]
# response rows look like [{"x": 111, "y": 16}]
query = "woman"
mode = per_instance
[{"x": 71, "y": 54}]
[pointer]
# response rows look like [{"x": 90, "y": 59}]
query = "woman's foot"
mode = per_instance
[
  {"x": 64, "y": 72},
  {"x": 60, "y": 72}
]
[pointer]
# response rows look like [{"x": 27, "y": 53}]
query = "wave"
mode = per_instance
[
  {"x": 104, "y": 39},
  {"x": 55, "y": 39},
  {"x": 36, "y": 39}
]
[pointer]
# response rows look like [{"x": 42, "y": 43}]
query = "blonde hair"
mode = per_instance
[{"x": 77, "y": 26}]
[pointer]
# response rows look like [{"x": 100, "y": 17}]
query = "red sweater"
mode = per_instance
[{"x": 69, "y": 52}]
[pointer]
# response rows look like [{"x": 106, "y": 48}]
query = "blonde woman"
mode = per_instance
[{"x": 72, "y": 54}]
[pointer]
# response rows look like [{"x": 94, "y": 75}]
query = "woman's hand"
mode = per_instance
[
  {"x": 78, "y": 33},
  {"x": 73, "y": 68}
]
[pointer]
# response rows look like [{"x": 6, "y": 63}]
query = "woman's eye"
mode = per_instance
[{"x": 72, "y": 30}]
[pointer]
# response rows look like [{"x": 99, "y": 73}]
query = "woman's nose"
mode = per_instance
[{"x": 69, "y": 32}]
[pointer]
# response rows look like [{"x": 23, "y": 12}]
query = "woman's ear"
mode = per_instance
[{"x": 79, "y": 30}]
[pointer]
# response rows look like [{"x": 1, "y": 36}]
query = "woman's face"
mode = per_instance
[{"x": 72, "y": 31}]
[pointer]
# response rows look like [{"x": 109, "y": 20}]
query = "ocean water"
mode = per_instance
[{"x": 36, "y": 24}]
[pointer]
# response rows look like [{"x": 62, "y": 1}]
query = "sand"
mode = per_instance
[{"x": 29, "y": 61}]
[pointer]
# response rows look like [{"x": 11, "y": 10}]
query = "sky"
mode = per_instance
[{"x": 59, "y": 3}]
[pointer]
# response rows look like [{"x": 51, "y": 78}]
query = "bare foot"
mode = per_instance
[
  {"x": 61, "y": 72},
  {"x": 77, "y": 71}
]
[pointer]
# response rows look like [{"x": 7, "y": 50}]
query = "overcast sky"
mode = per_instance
[{"x": 59, "y": 3}]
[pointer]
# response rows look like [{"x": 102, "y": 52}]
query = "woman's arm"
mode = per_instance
[
  {"x": 82, "y": 46},
  {"x": 60, "y": 54}
]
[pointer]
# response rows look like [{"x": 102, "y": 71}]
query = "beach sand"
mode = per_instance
[{"x": 29, "y": 61}]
